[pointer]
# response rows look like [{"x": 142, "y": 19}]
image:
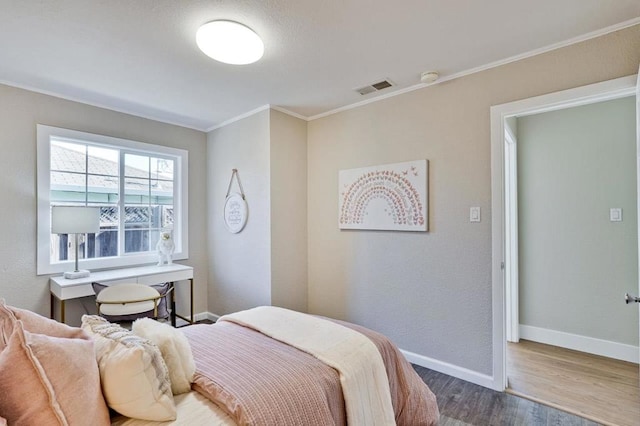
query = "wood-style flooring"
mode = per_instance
[
  {"x": 602, "y": 389},
  {"x": 462, "y": 403}
]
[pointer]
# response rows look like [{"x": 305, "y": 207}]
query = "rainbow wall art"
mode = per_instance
[{"x": 389, "y": 197}]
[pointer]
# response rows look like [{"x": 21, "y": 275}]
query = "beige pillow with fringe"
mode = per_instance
[{"x": 135, "y": 379}]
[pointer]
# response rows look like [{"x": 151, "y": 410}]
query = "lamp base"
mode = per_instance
[{"x": 76, "y": 274}]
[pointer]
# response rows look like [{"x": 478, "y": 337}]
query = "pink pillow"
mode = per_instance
[
  {"x": 38, "y": 324},
  {"x": 47, "y": 379},
  {"x": 25, "y": 388}
]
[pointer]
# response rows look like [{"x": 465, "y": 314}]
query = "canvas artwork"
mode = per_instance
[{"x": 387, "y": 197}]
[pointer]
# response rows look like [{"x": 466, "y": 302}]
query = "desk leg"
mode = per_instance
[
  {"x": 173, "y": 304},
  {"x": 191, "y": 293},
  {"x": 190, "y": 320},
  {"x": 53, "y": 308}
]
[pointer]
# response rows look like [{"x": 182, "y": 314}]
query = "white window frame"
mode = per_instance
[{"x": 181, "y": 200}]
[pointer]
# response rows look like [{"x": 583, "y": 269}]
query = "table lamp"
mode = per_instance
[{"x": 75, "y": 220}]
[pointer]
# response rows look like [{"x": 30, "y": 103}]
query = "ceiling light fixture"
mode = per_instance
[{"x": 230, "y": 42}]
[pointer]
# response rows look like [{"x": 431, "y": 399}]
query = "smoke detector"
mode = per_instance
[{"x": 429, "y": 77}]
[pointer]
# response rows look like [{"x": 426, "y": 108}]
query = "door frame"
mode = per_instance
[{"x": 501, "y": 235}]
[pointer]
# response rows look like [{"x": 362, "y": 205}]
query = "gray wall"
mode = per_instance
[
  {"x": 20, "y": 111},
  {"x": 288, "y": 137},
  {"x": 431, "y": 292},
  {"x": 239, "y": 264},
  {"x": 266, "y": 263},
  {"x": 575, "y": 265}
]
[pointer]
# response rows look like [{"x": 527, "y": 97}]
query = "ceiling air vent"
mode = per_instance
[{"x": 370, "y": 88}]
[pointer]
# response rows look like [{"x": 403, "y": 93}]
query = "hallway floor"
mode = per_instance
[{"x": 601, "y": 389}]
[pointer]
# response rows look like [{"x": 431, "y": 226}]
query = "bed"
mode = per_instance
[{"x": 244, "y": 377}]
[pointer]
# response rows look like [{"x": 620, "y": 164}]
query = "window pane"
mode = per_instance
[
  {"x": 167, "y": 217},
  {"x": 109, "y": 217},
  {"x": 106, "y": 242},
  {"x": 136, "y": 166},
  {"x": 67, "y": 187},
  {"x": 60, "y": 247},
  {"x": 69, "y": 157},
  {"x": 136, "y": 240},
  {"x": 136, "y": 217},
  {"x": 162, "y": 192},
  {"x": 136, "y": 236},
  {"x": 154, "y": 236},
  {"x": 136, "y": 191},
  {"x": 103, "y": 189},
  {"x": 156, "y": 217},
  {"x": 161, "y": 168},
  {"x": 103, "y": 161}
]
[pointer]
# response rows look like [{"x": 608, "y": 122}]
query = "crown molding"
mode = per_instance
[
  {"x": 531, "y": 53},
  {"x": 238, "y": 118}
]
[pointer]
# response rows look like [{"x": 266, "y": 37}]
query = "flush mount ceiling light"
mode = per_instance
[{"x": 229, "y": 42}]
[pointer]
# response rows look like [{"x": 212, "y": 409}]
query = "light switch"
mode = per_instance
[
  {"x": 474, "y": 214},
  {"x": 615, "y": 215}
]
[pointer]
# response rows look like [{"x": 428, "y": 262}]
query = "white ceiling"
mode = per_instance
[{"x": 140, "y": 56}]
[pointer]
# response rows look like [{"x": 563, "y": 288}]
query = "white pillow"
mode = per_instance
[
  {"x": 175, "y": 350},
  {"x": 135, "y": 380}
]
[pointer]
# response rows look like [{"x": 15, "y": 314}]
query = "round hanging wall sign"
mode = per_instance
[{"x": 235, "y": 212}]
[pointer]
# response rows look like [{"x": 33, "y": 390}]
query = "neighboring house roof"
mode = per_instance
[
  {"x": 68, "y": 177},
  {"x": 68, "y": 167}
]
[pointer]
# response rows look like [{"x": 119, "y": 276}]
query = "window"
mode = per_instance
[{"x": 141, "y": 190}]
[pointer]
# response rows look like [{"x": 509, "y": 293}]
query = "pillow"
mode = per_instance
[
  {"x": 38, "y": 324},
  {"x": 47, "y": 379},
  {"x": 163, "y": 311},
  {"x": 175, "y": 350},
  {"x": 135, "y": 380},
  {"x": 27, "y": 395}
]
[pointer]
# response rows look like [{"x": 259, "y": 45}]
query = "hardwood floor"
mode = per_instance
[
  {"x": 462, "y": 403},
  {"x": 595, "y": 387}
]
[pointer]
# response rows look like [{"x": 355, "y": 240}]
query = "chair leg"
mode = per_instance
[{"x": 173, "y": 305}]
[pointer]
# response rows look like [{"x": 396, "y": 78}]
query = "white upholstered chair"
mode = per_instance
[{"x": 127, "y": 302}]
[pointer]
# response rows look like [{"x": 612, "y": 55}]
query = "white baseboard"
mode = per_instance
[
  {"x": 450, "y": 369},
  {"x": 576, "y": 342}
]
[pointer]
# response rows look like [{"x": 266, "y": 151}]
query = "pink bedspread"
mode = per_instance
[{"x": 260, "y": 381}]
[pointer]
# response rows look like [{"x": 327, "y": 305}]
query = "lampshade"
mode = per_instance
[
  {"x": 75, "y": 220},
  {"x": 230, "y": 42}
]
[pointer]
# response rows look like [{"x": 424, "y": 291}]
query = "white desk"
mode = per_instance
[{"x": 64, "y": 289}]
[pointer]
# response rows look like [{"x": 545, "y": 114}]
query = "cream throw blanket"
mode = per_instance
[{"x": 364, "y": 381}]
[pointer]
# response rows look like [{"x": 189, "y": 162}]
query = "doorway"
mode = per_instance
[{"x": 506, "y": 273}]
